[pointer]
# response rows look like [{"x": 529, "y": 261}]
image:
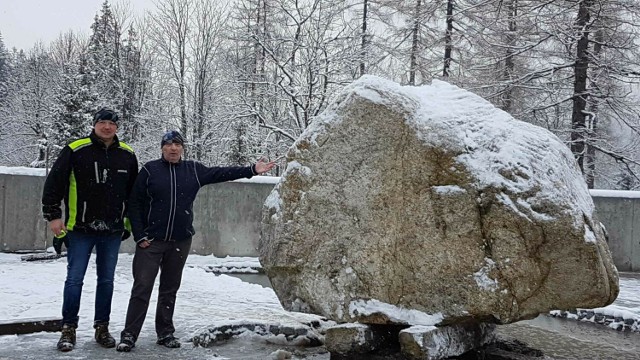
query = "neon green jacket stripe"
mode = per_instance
[
  {"x": 73, "y": 201},
  {"x": 78, "y": 144},
  {"x": 127, "y": 224},
  {"x": 126, "y": 147}
]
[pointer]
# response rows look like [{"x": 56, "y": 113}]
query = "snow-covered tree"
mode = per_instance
[
  {"x": 75, "y": 102},
  {"x": 4, "y": 70}
]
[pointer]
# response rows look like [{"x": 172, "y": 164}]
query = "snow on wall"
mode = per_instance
[{"x": 18, "y": 170}]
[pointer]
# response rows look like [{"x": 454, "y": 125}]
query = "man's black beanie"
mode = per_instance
[{"x": 105, "y": 114}]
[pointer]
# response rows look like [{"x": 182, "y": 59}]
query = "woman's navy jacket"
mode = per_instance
[{"x": 161, "y": 203}]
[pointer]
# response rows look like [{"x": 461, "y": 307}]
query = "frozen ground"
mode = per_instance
[{"x": 34, "y": 290}]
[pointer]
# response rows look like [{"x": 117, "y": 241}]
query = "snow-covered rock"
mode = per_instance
[
  {"x": 434, "y": 343},
  {"x": 429, "y": 205}
]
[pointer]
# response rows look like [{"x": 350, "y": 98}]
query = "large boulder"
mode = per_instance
[{"x": 430, "y": 199}]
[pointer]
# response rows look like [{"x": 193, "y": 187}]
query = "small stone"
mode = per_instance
[
  {"x": 351, "y": 338},
  {"x": 288, "y": 330},
  {"x": 274, "y": 329},
  {"x": 280, "y": 355},
  {"x": 434, "y": 343}
]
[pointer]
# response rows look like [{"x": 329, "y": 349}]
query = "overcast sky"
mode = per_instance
[{"x": 24, "y": 22}]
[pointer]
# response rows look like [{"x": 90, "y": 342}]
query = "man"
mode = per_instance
[
  {"x": 94, "y": 175},
  {"x": 161, "y": 212}
]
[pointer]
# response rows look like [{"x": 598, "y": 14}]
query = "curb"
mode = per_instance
[{"x": 620, "y": 320}]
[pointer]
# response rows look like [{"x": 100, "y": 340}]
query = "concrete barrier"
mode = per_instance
[
  {"x": 227, "y": 217},
  {"x": 617, "y": 211}
]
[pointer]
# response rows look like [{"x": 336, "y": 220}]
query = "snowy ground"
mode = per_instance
[{"x": 34, "y": 290}]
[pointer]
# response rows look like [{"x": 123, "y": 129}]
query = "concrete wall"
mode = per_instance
[
  {"x": 21, "y": 224},
  {"x": 617, "y": 211},
  {"x": 227, "y": 218}
]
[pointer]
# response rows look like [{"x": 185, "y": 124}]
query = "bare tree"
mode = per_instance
[
  {"x": 170, "y": 31},
  {"x": 205, "y": 45}
]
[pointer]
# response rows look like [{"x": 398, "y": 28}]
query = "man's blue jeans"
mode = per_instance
[{"x": 78, "y": 254}]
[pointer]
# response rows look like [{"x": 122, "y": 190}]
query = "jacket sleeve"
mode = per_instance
[
  {"x": 211, "y": 175},
  {"x": 133, "y": 169},
  {"x": 56, "y": 185},
  {"x": 138, "y": 201}
]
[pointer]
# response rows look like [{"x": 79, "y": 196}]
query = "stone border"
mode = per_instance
[
  {"x": 28, "y": 326},
  {"x": 589, "y": 315},
  {"x": 302, "y": 334},
  {"x": 225, "y": 269}
]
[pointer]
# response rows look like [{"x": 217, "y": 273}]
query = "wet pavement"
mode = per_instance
[{"x": 569, "y": 339}]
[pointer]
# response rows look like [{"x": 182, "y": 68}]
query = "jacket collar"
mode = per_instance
[{"x": 168, "y": 163}]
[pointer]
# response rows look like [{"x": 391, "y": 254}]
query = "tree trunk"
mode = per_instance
[
  {"x": 578, "y": 121},
  {"x": 413, "y": 65},
  {"x": 363, "y": 45},
  {"x": 590, "y": 158},
  {"x": 448, "y": 38},
  {"x": 509, "y": 64}
]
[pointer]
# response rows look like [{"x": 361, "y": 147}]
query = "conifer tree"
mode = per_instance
[{"x": 4, "y": 70}]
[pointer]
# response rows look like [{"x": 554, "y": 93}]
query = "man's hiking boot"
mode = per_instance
[
  {"x": 169, "y": 341},
  {"x": 68, "y": 338},
  {"x": 103, "y": 337},
  {"x": 127, "y": 342}
]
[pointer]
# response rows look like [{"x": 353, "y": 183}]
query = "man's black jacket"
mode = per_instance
[
  {"x": 161, "y": 203},
  {"x": 95, "y": 183}
]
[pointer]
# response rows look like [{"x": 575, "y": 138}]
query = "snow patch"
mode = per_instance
[
  {"x": 19, "y": 170},
  {"x": 448, "y": 189},
  {"x": 589, "y": 236},
  {"x": 506, "y": 200},
  {"x": 274, "y": 201},
  {"x": 482, "y": 276},
  {"x": 260, "y": 179},
  {"x": 296, "y": 166},
  {"x": 615, "y": 193},
  {"x": 394, "y": 313}
]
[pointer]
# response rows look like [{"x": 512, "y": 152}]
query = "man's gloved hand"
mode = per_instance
[
  {"x": 59, "y": 240},
  {"x": 125, "y": 234}
]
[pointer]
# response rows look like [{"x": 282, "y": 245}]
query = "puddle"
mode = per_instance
[{"x": 260, "y": 279}]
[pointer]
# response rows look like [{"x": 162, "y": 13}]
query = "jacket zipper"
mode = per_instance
[
  {"x": 95, "y": 165},
  {"x": 172, "y": 207}
]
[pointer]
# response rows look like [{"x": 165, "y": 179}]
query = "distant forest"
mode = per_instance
[{"x": 242, "y": 80}]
